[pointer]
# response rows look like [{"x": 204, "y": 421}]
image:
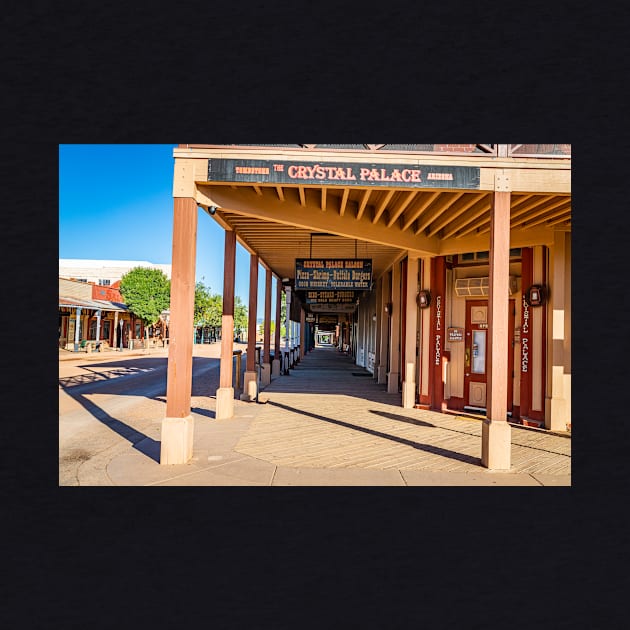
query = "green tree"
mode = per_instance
[
  {"x": 147, "y": 292},
  {"x": 240, "y": 315},
  {"x": 208, "y": 307}
]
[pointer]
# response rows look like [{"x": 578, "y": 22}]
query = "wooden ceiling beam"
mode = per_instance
[
  {"x": 395, "y": 212},
  {"x": 456, "y": 210},
  {"x": 344, "y": 201},
  {"x": 323, "y": 204},
  {"x": 539, "y": 210},
  {"x": 561, "y": 219},
  {"x": 545, "y": 217},
  {"x": 363, "y": 203},
  {"x": 280, "y": 193},
  {"x": 523, "y": 207},
  {"x": 472, "y": 214},
  {"x": 437, "y": 210},
  {"x": 414, "y": 212},
  {"x": 302, "y": 196},
  {"x": 380, "y": 208},
  {"x": 258, "y": 190}
]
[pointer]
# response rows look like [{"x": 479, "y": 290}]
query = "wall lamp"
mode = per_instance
[
  {"x": 536, "y": 295},
  {"x": 423, "y": 298},
  {"x": 212, "y": 210}
]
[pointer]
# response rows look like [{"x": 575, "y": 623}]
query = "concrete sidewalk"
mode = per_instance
[{"x": 328, "y": 423}]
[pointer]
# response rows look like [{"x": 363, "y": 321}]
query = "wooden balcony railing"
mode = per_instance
[{"x": 505, "y": 150}]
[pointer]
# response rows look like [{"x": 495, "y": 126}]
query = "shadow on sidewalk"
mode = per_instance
[
  {"x": 422, "y": 447},
  {"x": 141, "y": 442}
]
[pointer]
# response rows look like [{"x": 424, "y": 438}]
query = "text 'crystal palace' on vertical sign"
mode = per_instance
[
  {"x": 329, "y": 273},
  {"x": 342, "y": 173}
]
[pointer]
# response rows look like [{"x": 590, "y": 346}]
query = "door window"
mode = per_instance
[{"x": 479, "y": 352}]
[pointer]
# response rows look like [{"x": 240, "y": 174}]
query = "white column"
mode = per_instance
[
  {"x": 558, "y": 400},
  {"x": 409, "y": 382},
  {"x": 98, "y": 325},
  {"x": 381, "y": 373},
  {"x": 394, "y": 348},
  {"x": 77, "y": 329}
]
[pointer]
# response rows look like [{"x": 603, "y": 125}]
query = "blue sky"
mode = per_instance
[{"x": 116, "y": 203}]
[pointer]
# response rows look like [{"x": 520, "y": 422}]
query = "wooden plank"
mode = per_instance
[
  {"x": 323, "y": 205},
  {"x": 380, "y": 208},
  {"x": 302, "y": 196},
  {"x": 456, "y": 210},
  {"x": 548, "y": 216},
  {"x": 280, "y": 193},
  {"x": 482, "y": 206},
  {"x": 394, "y": 213},
  {"x": 363, "y": 203},
  {"x": 437, "y": 210},
  {"x": 414, "y": 212},
  {"x": 344, "y": 201}
]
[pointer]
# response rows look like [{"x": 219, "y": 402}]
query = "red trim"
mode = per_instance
[
  {"x": 438, "y": 328},
  {"x": 403, "y": 317},
  {"x": 527, "y": 278},
  {"x": 456, "y": 404},
  {"x": 543, "y": 389}
]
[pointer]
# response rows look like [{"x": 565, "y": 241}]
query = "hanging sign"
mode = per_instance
[
  {"x": 330, "y": 273},
  {"x": 330, "y": 297},
  {"x": 343, "y": 173},
  {"x": 333, "y": 308},
  {"x": 455, "y": 334}
]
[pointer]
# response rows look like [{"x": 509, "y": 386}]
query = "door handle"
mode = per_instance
[{"x": 467, "y": 357}]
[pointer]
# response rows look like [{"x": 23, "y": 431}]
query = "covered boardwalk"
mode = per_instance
[
  {"x": 446, "y": 270},
  {"x": 331, "y": 414}
]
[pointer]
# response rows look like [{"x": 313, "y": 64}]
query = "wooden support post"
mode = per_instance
[
  {"x": 225, "y": 393},
  {"x": 409, "y": 382},
  {"x": 265, "y": 374},
  {"x": 495, "y": 445},
  {"x": 177, "y": 426},
  {"x": 250, "y": 385},
  {"x": 275, "y": 366}
]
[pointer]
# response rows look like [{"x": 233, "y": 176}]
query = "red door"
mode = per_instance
[{"x": 476, "y": 355}]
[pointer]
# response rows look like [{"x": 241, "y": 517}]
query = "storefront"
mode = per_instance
[{"x": 443, "y": 269}]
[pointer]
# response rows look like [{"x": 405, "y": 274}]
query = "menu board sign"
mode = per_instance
[
  {"x": 329, "y": 273},
  {"x": 330, "y": 297}
]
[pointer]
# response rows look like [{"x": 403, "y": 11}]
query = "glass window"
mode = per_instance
[{"x": 479, "y": 352}]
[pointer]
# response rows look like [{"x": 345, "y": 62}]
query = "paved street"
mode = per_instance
[{"x": 327, "y": 423}]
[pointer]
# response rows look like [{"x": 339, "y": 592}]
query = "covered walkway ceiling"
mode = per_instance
[{"x": 281, "y": 222}]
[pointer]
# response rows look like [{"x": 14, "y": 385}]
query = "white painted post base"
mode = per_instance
[
  {"x": 496, "y": 447},
  {"x": 176, "y": 446},
  {"x": 392, "y": 382},
  {"x": 265, "y": 374},
  {"x": 409, "y": 394},
  {"x": 381, "y": 374},
  {"x": 275, "y": 368},
  {"x": 225, "y": 403},
  {"x": 250, "y": 386},
  {"x": 557, "y": 412}
]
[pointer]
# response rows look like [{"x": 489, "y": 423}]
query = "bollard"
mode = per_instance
[{"x": 237, "y": 354}]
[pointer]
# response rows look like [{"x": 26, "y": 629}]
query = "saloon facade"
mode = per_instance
[{"x": 444, "y": 269}]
